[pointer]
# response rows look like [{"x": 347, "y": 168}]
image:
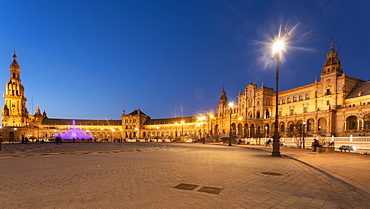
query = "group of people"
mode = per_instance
[{"x": 315, "y": 144}]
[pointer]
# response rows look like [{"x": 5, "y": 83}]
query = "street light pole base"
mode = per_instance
[{"x": 276, "y": 146}]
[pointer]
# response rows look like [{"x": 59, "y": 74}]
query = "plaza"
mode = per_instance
[{"x": 178, "y": 175}]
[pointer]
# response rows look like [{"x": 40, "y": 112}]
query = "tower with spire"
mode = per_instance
[
  {"x": 14, "y": 112},
  {"x": 332, "y": 64}
]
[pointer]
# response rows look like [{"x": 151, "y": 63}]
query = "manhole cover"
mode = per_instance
[
  {"x": 211, "y": 190},
  {"x": 186, "y": 186},
  {"x": 269, "y": 173}
]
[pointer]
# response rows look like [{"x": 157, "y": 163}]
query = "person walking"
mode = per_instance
[{"x": 315, "y": 144}]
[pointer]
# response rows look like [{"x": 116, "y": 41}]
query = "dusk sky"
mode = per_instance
[{"x": 89, "y": 59}]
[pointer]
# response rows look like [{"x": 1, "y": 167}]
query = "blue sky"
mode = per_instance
[{"x": 91, "y": 59}]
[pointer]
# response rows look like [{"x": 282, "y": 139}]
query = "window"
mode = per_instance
[
  {"x": 328, "y": 102},
  {"x": 289, "y": 99},
  {"x": 284, "y": 101},
  {"x": 304, "y": 109},
  {"x": 328, "y": 92},
  {"x": 282, "y": 127},
  {"x": 308, "y": 96},
  {"x": 294, "y": 98},
  {"x": 267, "y": 113},
  {"x": 301, "y": 97}
]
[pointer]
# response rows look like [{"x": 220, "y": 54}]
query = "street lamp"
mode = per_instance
[
  {"x": 303, "y": 126},
  {"x": 202, "y": 134},
  {"x": 176, "y": 129},
  {"x": 277, "y": 47},
  {"x": 240, "y": 131},
  {"x": 231, "y": 108},
  {"x": 1, "y": 136},
  {"x": 266, "y": 132},
  {"x": 211, "y": 116},
  {"x": 182, "y": 130}
]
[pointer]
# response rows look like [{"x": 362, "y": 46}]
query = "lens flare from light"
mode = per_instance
[{"x": 278, "y": 46}]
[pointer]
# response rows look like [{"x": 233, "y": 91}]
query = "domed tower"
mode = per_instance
[
  {"x": 14, "y": 112},
  {"x": 223, "y": 97},
  {"x": 222, "y": 105},
  {"x": 332, "y": 63}
]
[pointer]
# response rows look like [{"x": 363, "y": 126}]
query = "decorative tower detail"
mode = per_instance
[
  {"x": 332, "y": 63},
  {"x": 222, "y": 105},
  {"x": 14, "y": 112}
]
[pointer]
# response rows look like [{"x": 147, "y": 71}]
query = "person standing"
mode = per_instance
[{"x": 315, "y": 144}]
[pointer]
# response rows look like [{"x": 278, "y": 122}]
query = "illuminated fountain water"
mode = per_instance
[{"x": 75, "y": 133}]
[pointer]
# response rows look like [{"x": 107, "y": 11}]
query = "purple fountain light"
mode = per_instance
[{"x": 75, "y": 133}]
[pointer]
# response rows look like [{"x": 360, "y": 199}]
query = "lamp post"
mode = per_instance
[
  {"x": 277, "y": 47},
  {"x": 231, "y": 108},
  {"x": 240, "y": 131},
  {"x": 266, "y": 132},
  {"x": 201, "y": 129},
  {"x": 176, "y": 130},
  {"x": 182, "y": 130},
  {"x": 211, "y": 116},
  {"x": 303, "y": 125},
  {"x": 1, "y": 136}
]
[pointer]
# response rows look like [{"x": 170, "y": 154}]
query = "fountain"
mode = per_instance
[{"x": 75, "y": 133}]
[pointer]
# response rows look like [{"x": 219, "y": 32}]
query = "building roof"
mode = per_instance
[
  {"x": 361, "y": 90},
  {"x": 160, "y": 121},
  {"x": 55, "y": 121},
  {"x": 136, "y": 112}
]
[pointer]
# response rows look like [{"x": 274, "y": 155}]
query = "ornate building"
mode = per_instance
[{"x": 334, "y": 105}]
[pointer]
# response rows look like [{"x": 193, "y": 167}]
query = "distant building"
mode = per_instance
[{"x": 334, "y": 105}]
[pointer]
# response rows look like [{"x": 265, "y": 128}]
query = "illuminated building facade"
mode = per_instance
[{"x": 334, "y": 105}]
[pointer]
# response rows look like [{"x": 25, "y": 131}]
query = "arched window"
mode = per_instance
[
  {"x": 310, "y": 124},
  {"x": 258, "y": 114},
  {"x": 291, "y": 127},
  {"x": 294, "y": 98},
  {"x": 267, "y": 128},
  {"x": 301, "y": 97},
  {"x": 267, "y": 113},
  {"x": 322, "y": 124},
  {"x": 351, "y": 123},
  {"x": 289, "y": 99},
  {"x": 367, "y": 121},
  {"x": 308, "y": 96},
  {"x": 282, "y": 127}
]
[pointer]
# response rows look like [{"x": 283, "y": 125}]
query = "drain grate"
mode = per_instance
[
  {"x": 211, "y": 190},
  {"x": 269, "y": 173},
  {"x": 186, "y": 186}
]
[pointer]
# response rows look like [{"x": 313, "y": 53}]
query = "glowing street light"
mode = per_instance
[
  {"x": 202, "y": 134},
  {"x": 231, "y": 104},
  {"x": 303, "y": 127},
  {"x": 182, "y": 130},
  {"x": 278, "y": 46}
]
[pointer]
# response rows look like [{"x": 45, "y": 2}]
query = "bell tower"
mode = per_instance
[
  {"x": 14, "y": 112},
  {"x": 332, "y": 64}
]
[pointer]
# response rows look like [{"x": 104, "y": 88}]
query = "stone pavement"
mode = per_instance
[
  {"x": 164, "y": 175},
  {"x": 351, "y": 168}
]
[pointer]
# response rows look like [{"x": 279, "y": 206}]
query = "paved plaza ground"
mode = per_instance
[{"x": 177, "y": 175}]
